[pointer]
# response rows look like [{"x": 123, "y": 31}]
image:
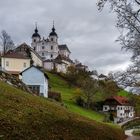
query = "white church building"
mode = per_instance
[{"x": 54, "y": 56}]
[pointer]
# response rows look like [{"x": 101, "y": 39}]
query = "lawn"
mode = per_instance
[{"x": 67, "y": 92}]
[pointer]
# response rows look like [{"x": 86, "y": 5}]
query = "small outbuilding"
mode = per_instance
[{"x": 36, "y": 80}]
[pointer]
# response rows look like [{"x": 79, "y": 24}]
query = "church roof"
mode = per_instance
[
  {"x": 53, "y": 33},
  {"x": 64, "y": 47},
  {"x": 36, "y": 34}
]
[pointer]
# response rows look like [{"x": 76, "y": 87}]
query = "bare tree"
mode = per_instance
[
  {"x": 128, "y": 23},
  {"x": 90, "y": 87},
  {"x": 7, "y": 42}
]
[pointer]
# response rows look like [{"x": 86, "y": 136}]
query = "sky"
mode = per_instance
[{"x": 89, "y": 34}]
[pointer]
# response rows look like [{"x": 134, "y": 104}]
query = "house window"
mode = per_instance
[
  {"x": 35, "y": 89},
  {"x": 43, "y": 47},
  {"x": 105, "y": 108},
  {"x": 42, "y": 54},
  {"x": 51, "y": 47},
  {"x": 7, "y": 63},
  {"x": 51, "y": 56},
  {"x": 24, "y": 65}
]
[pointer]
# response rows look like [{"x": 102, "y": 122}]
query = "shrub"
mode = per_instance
[{"x": 54, "y": 95}]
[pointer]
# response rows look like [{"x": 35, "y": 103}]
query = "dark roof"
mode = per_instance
[
  {"x": 40, "y": 69},
  {"x": 16, "y": 55},
  {"x": 81, "y": 65},
  {"x": 102, "y": 76},
  {"x": 53, "y": 33},
  {"x": 63, "y": 47},
  {"x": 36, "y": 34},
  {"x": 60, "y": 57},
  {"x": 48, "y": 60},
  {"x": 121, "y": 100},
  {"x": 24, "y": 47}
]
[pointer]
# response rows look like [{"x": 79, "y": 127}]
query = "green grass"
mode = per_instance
[
  {"x": 124, "y": 93},
  {"x": 27, "y": 117},
  {"x": 67, "y": 92}
]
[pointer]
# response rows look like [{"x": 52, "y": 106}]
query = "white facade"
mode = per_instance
[
  {"x": 49, "y": 50},
  {"x": 35, "y": 79},
  {"x": 122, "y": 111}
]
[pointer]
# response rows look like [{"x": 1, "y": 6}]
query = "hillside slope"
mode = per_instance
[
  {"x": 58, "y": 84},
  {"x": 27, "y": 117}
]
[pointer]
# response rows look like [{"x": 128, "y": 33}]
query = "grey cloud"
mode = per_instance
[{"x": 90, "y": 34}]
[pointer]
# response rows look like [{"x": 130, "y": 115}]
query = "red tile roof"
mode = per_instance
[{"x": 121, "y": 100}]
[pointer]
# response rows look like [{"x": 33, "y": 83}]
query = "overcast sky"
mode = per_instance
[{"x": 89, "y": 34}]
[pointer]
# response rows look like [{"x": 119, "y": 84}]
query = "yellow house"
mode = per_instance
[
  {"x": 14, "y": 63},
  {"x": 26, "y": 50}
]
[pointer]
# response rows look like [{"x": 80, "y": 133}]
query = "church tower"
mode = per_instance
[
  {"x": 35, "y": 38},
  {"x": 53, "y": 43}
]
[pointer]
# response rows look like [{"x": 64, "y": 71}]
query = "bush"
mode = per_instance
[
  {"x": 80, "y": 101},
  {"x": 55, "y": 95}
]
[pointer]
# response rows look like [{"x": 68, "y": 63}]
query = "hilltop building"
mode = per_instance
[{"x": 54, "y": 56}]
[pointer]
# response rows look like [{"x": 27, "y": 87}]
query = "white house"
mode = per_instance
[
  {"x": 36, "y": 80},
  {"x": 120, "y": 107}
]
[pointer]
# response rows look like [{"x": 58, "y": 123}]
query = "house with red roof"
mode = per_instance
[{"x": 120, "y": 107}]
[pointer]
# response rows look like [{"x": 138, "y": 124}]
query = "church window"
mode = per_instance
[
  {"x": 34, "y": 40},
  {"x": 51, "y": 47},
  {"x": 51, "y": 39}
]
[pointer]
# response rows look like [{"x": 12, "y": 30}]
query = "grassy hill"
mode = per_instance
[
  {"x": 27, "y": 117},
  {"x": 58, "y": 84}
]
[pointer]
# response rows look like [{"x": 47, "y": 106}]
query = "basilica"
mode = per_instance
[{"x": 54, "y": 55}]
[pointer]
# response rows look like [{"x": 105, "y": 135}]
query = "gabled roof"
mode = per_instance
[
  {"x": 41, "y": 70},
  {"x": 63, "y": 47},
  {"x": 121, "y": 100},
  {"x": 15, "y": 55},
  {"x": 79, "y": 65},
  {"x": 60, "y": 57},
  {"x": 102, "y": 76},
  {"x": 24, "y": 46}
]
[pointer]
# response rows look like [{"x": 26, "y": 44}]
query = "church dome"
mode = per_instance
[
  {"x": 36, "y": 34},
  {"x": 53, "y": 33}
]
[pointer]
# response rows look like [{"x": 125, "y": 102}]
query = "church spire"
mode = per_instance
[
  {"x": 36, "y": 30},
  {"x": 53, "y": 33},
  {"x": 36, "y": 34}
]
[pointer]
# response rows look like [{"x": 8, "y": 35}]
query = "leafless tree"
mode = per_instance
[
  {"x": 128, "y": 23},
  {"x": 7, "y": 42},
  {"x": 90, "y": 87}
]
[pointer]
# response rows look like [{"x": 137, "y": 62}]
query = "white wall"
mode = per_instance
[{"x": 33, "y": 76}]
